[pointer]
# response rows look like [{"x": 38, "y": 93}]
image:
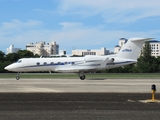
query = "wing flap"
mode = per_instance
[{"x": 77, "y": 68}]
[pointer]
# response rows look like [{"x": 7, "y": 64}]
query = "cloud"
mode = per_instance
[
  {"x": 70, "y": 25},
  {"x": 18, "y": 25},
  {"x": 112, "y": 10},
  {"x": 71, "y": 35},
  {"x": 16, "y": 28},
  {"x": 14, "y": 32}
]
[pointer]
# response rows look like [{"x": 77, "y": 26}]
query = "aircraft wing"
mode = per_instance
[{"x": 77, "y": 68}]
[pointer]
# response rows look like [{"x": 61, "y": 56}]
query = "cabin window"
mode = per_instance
[
  {"x": 38, "y": 63},
  {"x": 66, "y": 63},
  {"x": 44, "y": 63},
  {"x": 52, "y": 63},
  {"x": 73, "y": 63}
]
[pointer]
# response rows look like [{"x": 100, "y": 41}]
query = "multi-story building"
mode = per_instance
[
  {"x": 155, "y": 47},
  {"x": 11, "y": 49},
  {"x": 41, "y": 48},
  {"x": 102, "y": 51}
]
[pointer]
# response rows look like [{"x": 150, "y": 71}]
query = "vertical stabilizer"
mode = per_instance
[{"x": 132, "y": 48}]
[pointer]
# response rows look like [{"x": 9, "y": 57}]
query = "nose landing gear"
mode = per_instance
[{"x": 18, "y": 76}]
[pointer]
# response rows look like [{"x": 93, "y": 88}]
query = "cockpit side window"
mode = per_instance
[{"x": 19, "y": 61}]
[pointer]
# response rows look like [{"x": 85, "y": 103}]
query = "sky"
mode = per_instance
[{"x": 77, "y": 24}]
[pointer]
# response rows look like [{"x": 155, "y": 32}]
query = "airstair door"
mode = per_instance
[{"x": 26, "y": 64}]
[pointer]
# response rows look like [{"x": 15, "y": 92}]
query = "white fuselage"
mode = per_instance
[
  {"x": 128, "y": 54},
  {"x": 68, "y": 64}
]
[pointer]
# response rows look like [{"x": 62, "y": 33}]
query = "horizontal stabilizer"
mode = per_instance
[{"x": 141, "y": 39}]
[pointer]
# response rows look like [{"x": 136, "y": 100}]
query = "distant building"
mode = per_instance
[
  {"x": 41, "y": 48},
  {"x": 121, "y": 43},
  {"x": 62, "y": 52},
  {"x": 116, "y": 49},
  {"x": 102, "y": 51},
  {"x": 155, "y": 47},
  {"x": 11, "y": 49}
]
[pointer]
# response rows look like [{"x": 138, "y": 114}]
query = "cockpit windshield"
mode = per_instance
[{"x": 19, "y": 61}]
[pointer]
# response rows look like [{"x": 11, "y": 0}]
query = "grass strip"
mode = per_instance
[{"x": 90, "y": 76}]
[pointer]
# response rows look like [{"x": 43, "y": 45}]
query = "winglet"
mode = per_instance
[{"x": 103, "y": 64}]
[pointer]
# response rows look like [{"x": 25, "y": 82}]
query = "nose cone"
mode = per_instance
[{"x": 9, "y": 68}]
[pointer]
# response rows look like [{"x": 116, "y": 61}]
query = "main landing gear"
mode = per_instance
[
  {"x": 82, "y": 76},
  {"x": 18, "y": 76}
]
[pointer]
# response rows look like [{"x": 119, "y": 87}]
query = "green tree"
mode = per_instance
[
  {"x": 3, "y": 62},
  {"x": 36, "y": 56},
  {"x": 146, "y": 63},
  {"x": 2, "y": 54},
  {"x": 25, "y": 54},
  {"x": 157, "y": 65},
  {"x": 12, "y": 57}
]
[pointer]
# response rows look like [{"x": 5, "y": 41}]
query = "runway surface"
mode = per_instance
[
  {"x": 109, "y": 99},
  {"x": 76, "y": 85}
]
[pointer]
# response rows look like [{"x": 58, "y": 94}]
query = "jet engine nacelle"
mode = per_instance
[{"x": 112, "y": 59}]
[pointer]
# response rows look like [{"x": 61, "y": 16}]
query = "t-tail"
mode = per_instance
[{"x": 132, "y": 48}]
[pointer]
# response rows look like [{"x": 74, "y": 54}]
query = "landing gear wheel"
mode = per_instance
[
  {"x": 82, "y": 77},
  {"x": 17, "y": 77}
]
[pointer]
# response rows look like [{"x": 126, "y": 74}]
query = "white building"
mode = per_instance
[
  {"x": 62, "y": 52},
  {"x": 155, "y": 47},
  {"x": 102, "y": 51},
  {"x": 11, "y": 49},
  {"x": 41, "y": 48},
  {"x": 116, "y": 49},
  {"x": 121, "y": 43}
]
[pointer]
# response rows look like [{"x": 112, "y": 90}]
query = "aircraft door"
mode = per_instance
[{"x": 26, "y": 64}]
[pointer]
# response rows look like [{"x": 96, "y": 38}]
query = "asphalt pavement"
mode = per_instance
[
  {"x": 73, "y": 99},
  {"x": 78, "y": 106}
]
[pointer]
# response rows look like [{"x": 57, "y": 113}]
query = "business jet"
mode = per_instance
[{"x": 128, "y": 54}]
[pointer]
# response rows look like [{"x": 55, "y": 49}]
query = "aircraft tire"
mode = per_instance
[
  {"x": 17, "y": 77},
  {"x": 82, "y": 77}
]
